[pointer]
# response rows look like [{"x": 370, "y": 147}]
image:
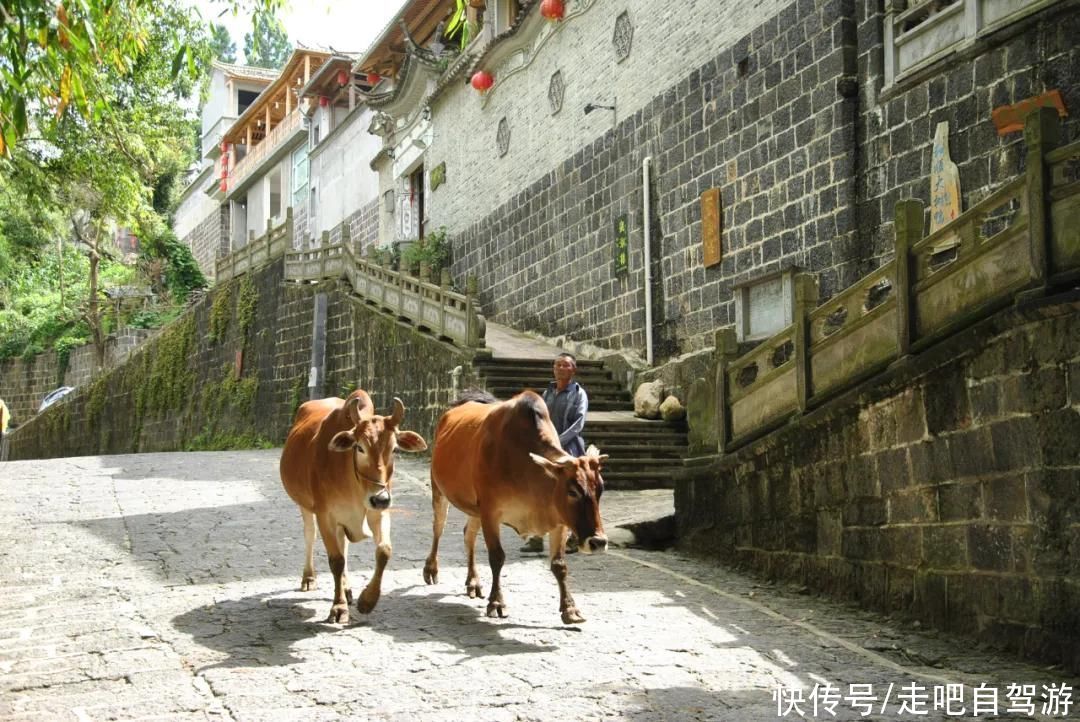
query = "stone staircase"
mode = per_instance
[{"x": 644, "y": 454}]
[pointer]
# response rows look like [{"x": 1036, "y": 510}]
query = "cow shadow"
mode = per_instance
[
  {"x": 254, "y": 631},
  {"x": 262, "y": 630}
]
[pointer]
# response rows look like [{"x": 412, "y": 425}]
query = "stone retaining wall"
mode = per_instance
[
  {"x": 231, "y": 372},
  {"x": 948, "y": 489}
]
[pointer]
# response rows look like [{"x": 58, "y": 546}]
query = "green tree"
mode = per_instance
[
  {"x": 87, "y": 173},
  {"x": 53, "y": 54},
  {"x": 267, "y": 45},
  {"x": 221, "y": 44}
]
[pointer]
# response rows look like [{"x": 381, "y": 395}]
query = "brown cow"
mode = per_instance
[
  {"x": 501, "y": 463},
  {"x": 338, "y": 466}
]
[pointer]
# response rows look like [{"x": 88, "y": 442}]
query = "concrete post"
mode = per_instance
[
  {"x": 1042, "y": 132},
  {"x": 726, "y": 351},
  {"x": 317, "y": 377},
  {"x": 908, "y": 227}
]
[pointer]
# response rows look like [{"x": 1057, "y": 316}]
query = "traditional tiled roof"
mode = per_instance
[
  {"x": 523, "y": 11},
  {"x": 248, "y": 72}
]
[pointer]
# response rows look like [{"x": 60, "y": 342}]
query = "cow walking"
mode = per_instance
[
  {"x": 338, "y": 466},
  {"x": 501, "y": 463}
]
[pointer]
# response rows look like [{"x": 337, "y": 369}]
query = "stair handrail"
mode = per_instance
[
  {"x": 257, "y": 252},
  {"x": 431, "y": 307},
  {"x": 1015, "y": 243}
]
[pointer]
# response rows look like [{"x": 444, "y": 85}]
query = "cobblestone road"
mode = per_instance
[{"x": 165, "y": 586}]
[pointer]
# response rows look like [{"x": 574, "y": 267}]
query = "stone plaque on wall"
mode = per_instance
[
  {"x": 438, "y": 176},
  {"x": 711, "y": 226},
  {"x": 622, "y": 245}
]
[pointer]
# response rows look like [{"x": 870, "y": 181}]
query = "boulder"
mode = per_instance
[
  {"x": 647, "y": 399},
  {"x": 672, "y": 409}
]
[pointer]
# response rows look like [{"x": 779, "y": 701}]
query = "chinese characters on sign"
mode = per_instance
[
  {"x": 622, "y": 245},
  {"x": 918, "y": 700},
  {"x": 944, "y": 182},
  {"x": 711, "y": 226}
]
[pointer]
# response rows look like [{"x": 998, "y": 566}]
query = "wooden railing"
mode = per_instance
[
  {"x": 257, "y": 251},
  {"x": 1022, "y": 239},
  {"x": 257, "y": 154},
  {"x": 447, "y": 314}
]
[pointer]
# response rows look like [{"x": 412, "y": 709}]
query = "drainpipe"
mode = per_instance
[{"x": 646, "y": 174}]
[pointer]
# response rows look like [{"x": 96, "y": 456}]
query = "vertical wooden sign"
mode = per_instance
[
  {"x": 711, "y": 226},
  {"x": 944, "y": 181},
  {"x": 622, "y": 245}
]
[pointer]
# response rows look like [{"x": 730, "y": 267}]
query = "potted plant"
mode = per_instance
[{"x": 431, "y": 253}]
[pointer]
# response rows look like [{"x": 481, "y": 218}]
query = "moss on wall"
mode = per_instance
[{"x": 231, "y": 372}]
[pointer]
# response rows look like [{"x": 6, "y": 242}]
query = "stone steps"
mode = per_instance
[{"x": 642, "y": 454}]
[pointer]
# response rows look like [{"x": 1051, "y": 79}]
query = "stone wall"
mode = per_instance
[
  {"x": 25, "y": 382},
  {"x": 231, "y": 372},
  {"x": 896, "y": 124},
  {"x": 210, "y": 240},
  {"x": 948, "y": 489},
  {"x": 363, "y": 227},
  {"x": 788, "y": 118}
]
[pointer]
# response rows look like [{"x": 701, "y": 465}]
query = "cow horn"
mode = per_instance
[
  {"x": 398, "y": 413},
  {"x": 352, "y": 408}
]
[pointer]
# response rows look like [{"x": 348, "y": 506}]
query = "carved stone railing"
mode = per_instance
[
  {"x": 1022, "y": 239},
  {"x": 257, "y": 251},
  {"x": 436, "y": 309}
]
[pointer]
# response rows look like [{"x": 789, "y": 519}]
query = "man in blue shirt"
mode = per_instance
[{"x": 567, "y": 405}]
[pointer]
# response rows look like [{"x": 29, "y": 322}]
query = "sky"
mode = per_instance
[{"x": 345, "y": 25}]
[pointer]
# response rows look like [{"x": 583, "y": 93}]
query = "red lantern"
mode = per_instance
[
  {"x": 482, "y": 80},
  {"x": 553, "y": 9},
  {"x": 224, "y": 146},
  {"x": 373, "y": 78},
  {"x": 342, "y": 77},
  {"x": 224, "y": 185},
  {"x": 324, "y": 101}
]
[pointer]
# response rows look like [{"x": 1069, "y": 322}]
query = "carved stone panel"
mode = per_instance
[
  {"x": 502, "y": 137},
  {"x": 555, "y": 92},
  {"x": 623, "y": 36}
]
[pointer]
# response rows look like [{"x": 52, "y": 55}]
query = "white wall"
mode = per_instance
[
  {"x": 194, "y": 209},
  {"x": 341, "y": 172},
  {"x": 669, "y": 42}
]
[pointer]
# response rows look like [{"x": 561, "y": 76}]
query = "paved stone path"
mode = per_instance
[{"x": 165, "y": 586}]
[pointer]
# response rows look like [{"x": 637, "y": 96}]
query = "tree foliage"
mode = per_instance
[
  {"x": 267, "y": 45},
  {"x": 221, "y": 44}
]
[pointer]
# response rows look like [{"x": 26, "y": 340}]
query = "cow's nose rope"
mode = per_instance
[{"x": 356, "y": 468}]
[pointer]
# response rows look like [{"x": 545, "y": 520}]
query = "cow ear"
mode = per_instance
[
  {"x": 342, "y": 441},
  {"x": 602, "y": 458},
  {"x": 552, "y": 467},
  {"x": 410, "y": 441}
]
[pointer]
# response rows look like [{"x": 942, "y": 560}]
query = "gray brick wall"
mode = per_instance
[
  {"x": 946, "y": 493},
  {"x": 896, "y": 126},
  {"x": 209, "y": 240},
  {"x": 788, "y": 120},
  {"x": 762, "y": 119}
]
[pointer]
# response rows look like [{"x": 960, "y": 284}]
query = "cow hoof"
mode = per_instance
[
  {"x": 431, "y": 574},
  {"x": 307, "y": 584},
  {"x": 496, "y": 609},
  {"x": 339, "y": 614},
  {"x": 474, "y": 590},
  {"x": 367, "y": 603},
  {"x": 572, "y": 616}
]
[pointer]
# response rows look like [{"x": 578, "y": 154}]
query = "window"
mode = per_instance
[
  {"x": 299, "y": 177},
  {"x": 244, "y": 98},
  {"x": 930, "y": 30}
]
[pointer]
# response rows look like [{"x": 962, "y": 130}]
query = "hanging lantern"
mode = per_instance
[
  {"x": 342, "y": 77},
  {"x": 224, "y": 185},
  {"x": 482, "y": 80},
  {"x": 324, "y": 101},
  {"x": 224, "y": 147},
  {"x": 373, "y": 78},
  {"x": 553, "y": 9}
]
